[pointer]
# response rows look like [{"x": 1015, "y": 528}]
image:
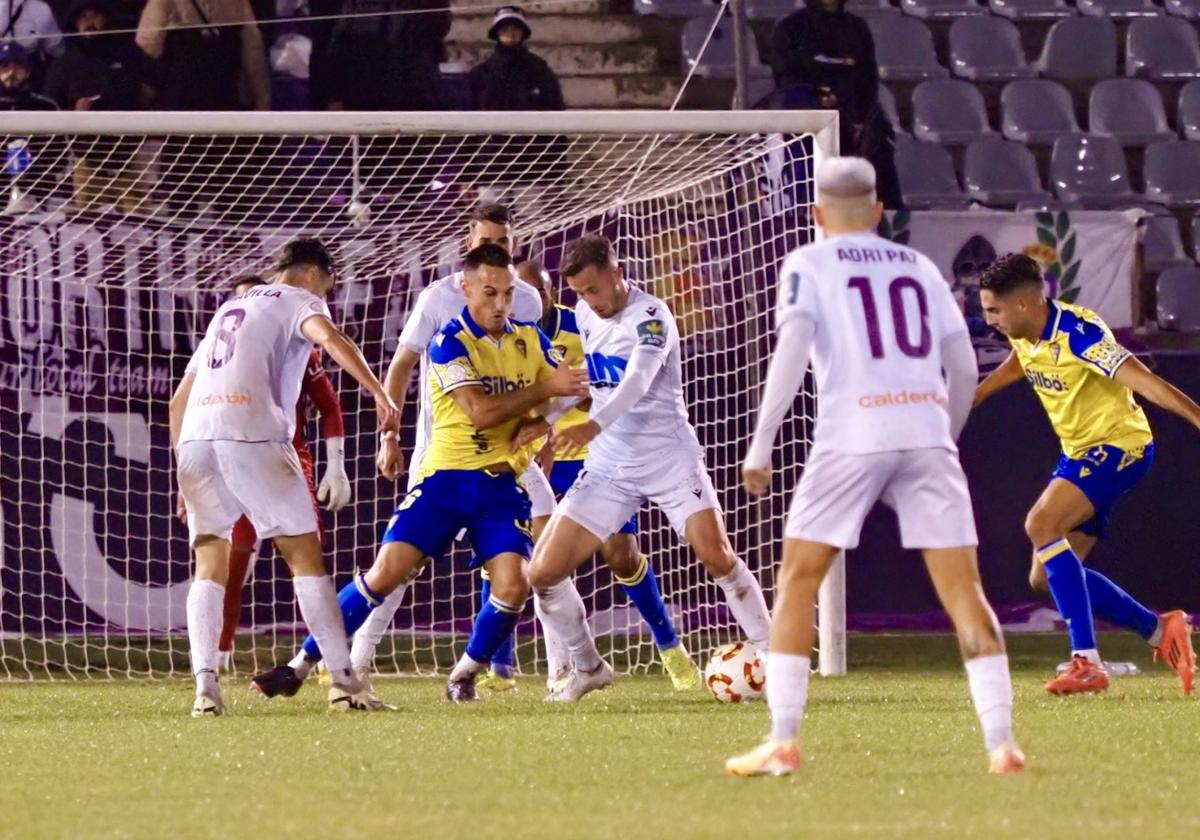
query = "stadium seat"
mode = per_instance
[
  {"x": 927, "y": 175},
  {"x": 1080, "y": 49},
  {"x": 758, "y": 90},
  {"x": 948, "y": 111},
  {"x": 1172, "y": 173},
  {"x": 1001, "y": 173},
  {"x": 904, "y": 49},
  {"x": 1179, "y": 299},
  {"x": 1189, "y": 110},
  {"x": 987, "y": 49},
  {"x": 926, "y": 9},
  {"x": 770, "y": 9},
  {"x": 1162, "y": 48},
  {"x": 1030, "y": 9},
  {"x": 1189, "y": 9},
  {"x": 1162, "y": 243},
  {"x": 1130, "y": 110},
  {"x": 887, "y": 101},
  {"x": 1091, "y": 171},
  {"x": 717, "y": 61},
  {"x": 675, "y": 8},
  {"x": 1036, "y": 112},
  {"x": 866, "y": 8},
  {"x": 1117, "y": 8}
]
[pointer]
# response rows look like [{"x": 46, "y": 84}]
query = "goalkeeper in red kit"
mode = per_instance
[{"x": 316, "y": 391}]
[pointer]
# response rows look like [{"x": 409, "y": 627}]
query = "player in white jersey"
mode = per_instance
[
  {"x": 232, "y": 423},
  {"x": 641, "y": 447},
  {"x": 895, "y": 374}
]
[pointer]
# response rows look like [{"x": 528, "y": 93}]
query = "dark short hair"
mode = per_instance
[
  {"x": 306, "y": 252},
  {"x": 536, "y": 265},
  {"x": 1011, "y": 272},
  {"x": 497, "y": 214},
  {"x": 246, "y": 280},
  {"x": 489, "y": 254},
  {"x": 585, "y": 252}
]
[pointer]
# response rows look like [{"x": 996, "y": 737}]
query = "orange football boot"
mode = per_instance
[
  {"x": 1083, "y": 675},
  {"x": 1175, "y": 647}
]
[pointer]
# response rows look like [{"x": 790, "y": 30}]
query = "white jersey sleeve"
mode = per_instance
[
  {"x": 881, "y": 312},
  {"x": 527, "y": 303},
  {"x": 423, "y": 322},
  {"x": 249, "y": 367}
]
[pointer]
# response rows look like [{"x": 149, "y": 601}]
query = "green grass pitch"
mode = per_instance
[{"x": 892, "y": 750}]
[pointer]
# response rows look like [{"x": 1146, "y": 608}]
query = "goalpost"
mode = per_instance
[{"x": 120, "y": 233}]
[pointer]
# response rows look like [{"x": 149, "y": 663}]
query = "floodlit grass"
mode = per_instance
[{"x": 892, "y": 750}]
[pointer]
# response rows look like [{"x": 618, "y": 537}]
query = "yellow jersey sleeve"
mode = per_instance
[{"x": 569, "y": 345}]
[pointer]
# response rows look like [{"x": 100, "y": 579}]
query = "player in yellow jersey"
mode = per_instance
[
  {"x": 1086, "y": 381},
  {"x": 486, "y": 374},
  {"x": 620, "y": 552}
]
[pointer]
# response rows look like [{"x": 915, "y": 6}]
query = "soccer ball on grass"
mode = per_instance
[{"x": 735, "y": 673}]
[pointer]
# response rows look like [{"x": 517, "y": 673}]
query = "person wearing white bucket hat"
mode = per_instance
[{"x": 513, "y": 79}]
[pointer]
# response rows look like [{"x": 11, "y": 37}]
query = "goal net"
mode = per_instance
[{"x": 120, "y": 233}]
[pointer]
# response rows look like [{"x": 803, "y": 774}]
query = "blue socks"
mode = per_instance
[
  {"x": 1116, "y": 606},
  {"x": 503, "y": 660},
  {"x": 493, "y": 628},
  {"x": 1068, "y": 587},
  {"x": 642, "y": 589},
  {"x": 356, "y": 601}
]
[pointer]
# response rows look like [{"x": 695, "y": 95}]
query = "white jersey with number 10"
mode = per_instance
[{"x": 881, "y": 312}]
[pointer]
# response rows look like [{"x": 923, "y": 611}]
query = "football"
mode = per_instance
[{"x": 735, "y": 673}]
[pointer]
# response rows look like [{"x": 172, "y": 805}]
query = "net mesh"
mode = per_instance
[{"x": 116, "y": 250}]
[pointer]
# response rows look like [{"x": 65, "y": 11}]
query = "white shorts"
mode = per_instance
[
  {"x": 603, "y": 498},
  {"x": 541, "y": 494},
  {"x": 222, "y": 480},
  {"x": 926, "y": 487}
]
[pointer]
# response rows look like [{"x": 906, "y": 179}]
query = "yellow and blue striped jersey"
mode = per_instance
[
  {"x": 1071, "y": 368},
  {"x": 463, "y": 355},
  {"x": 563, "y": 332}
]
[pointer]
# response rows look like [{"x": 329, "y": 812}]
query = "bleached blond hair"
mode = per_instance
[{"x": 846, "y": 191}]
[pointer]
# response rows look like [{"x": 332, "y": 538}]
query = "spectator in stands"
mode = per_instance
[
  {"x": 100, "y": 71},
  {"x": 205, "y": 66},
  {"x": 384, "y": 55},
  {"x": 320, "y": 70},
  {"x": 513, "y": 78},
  {"x": 16, "y": 89},
  {"x": 31, "y": 24},
  {"x": 824, "y": 46}
]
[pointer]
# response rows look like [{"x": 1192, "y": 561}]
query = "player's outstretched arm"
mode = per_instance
[
  {"x": 321, "y": 331},
  {"x": 962, "y": 373},
  {"x": 644, "y": 364},
  {"x": 999, "y": 379},
  {"x": 488, "y": 410},
  {"x": 789, "y": 363},
  {"x": 1142, "y": 381},
  {"x": 390, "y": 458}
]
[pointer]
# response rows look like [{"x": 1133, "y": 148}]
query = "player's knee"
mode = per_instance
[
  {"x": 622, "y": 557},
  {"x": 717, "y": 558},
  {"x": 513, "y": 591},
  {"x": 539, "y": 576},
  {"x": 1042, "y": 529}
]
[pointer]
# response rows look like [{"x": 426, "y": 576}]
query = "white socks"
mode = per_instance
[
  {"x": 744, "y": 596},
  {"x": 558, "y": 658},
  {"x": 991, "y": 691},
  {"x": 561, "y": 611},
  {"x": 205, "y": 615},
  {"x": 787, "y": 693},
  {"x": 362, "y": 653},
  {"x": 466, "y": 667},
  {"x": 1090, "y": 654},
  {"x": 302, "y": 665},
  {"x": 319, "y": 608}
]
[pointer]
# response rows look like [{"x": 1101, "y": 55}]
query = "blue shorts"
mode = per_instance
[
  {"x": 492, "y": 507},
  {"x": 1105, "y": 474},
  {"x": 564, "y": 473}
]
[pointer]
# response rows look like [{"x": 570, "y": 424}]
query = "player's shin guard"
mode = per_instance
[
  {"x": 494, "y": 625},
  {"x": 204, "y": 604},
  {"x": 787, "y": 693},
  {"x": 744, "y": 596},
  {"x": 356, "y": 600},
  {"x": 329, "y": 626},
  {"x": 503, "y": 659},
  {"x": 1068, "y": 587},
  {"x": 561, "y": 611},
  {"x": 991, "y": 692},
  {"x": 642, "y": 589},
  {"x": 371, "y": 632},
  {"x": 1116, "y": 606}
]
